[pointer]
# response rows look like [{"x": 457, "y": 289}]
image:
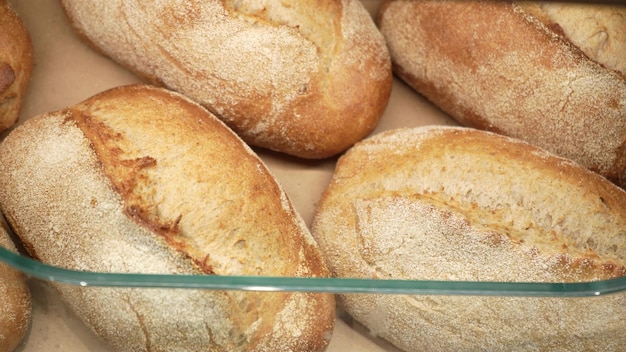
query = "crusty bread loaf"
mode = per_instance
[
  {"x": 492, "y": 65},
  {"x": 140, "y": 179},
  {"x": 599, "y": 30},
  {"x": 454, "y": 203},
  {"x": 307, "y": 78},
  {"x": 15, "y": 301},
  {"x": 16, "y": 61}
]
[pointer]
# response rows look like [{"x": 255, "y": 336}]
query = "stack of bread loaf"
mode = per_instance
[
  {"x": 139, "y": 179},
  {"x": 175, "y": 175}
]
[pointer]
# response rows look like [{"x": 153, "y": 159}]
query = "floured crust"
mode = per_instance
[
  {"x": 599, "y": 30},
  {"x": 139, "y": 179},
  {"x": 15, "y": 309},
  {"x": 451, "y": 203},
  {"x": 304, "y": 78},
  {"x": 16, "y": 61},
  {"x": 493, "y": 66}
]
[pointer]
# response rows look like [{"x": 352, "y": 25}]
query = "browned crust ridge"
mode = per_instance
[{"x": 141, "y": 179}]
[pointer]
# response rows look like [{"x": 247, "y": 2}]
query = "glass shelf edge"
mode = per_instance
[{"x": 46, "y": 272}]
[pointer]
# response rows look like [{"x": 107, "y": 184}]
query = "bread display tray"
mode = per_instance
[{"x": 67, "y": 71}]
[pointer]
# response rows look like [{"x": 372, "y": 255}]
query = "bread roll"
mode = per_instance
[
  {"x": 453, "y": 203},
  {"x": 16, "y": 61},
  {"x": 15, "y": 306},
  {"x": 138, "y": 179},
  {"x": 494, "y": 65},
  {"x": 306, "y": 78}
]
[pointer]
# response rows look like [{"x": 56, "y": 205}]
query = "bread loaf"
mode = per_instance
[
  {"x": 454, "y": 203},
  {"x": 139, "y": 179},
  {"x": 15, "y": 301},
  {"x": 16, "y": 61},
  {"x": 306, "y": 78},
  {"x": 496, "y": 65}
]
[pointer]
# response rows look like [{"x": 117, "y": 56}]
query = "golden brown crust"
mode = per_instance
[
  {"x": 304, "y": 78},
  {"x": 453, "y": 203},
  {"x": 493, "y": 66},
  {"x": 16, "y": 61},
  {"x": 15, "y": 309},
  {"x": 160, "y": 185}
]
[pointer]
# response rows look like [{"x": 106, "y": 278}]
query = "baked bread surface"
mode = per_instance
[
  {"x": 599, "y": 30},
  {"x": 495, "y": 65},
  {"x": 16, "y": 304},
  {"x": 453, "y": 203},
  {"x": 142, "y": 180},
  {"x": 16, "y": 61},
  {"x": 300, "y": 77}
]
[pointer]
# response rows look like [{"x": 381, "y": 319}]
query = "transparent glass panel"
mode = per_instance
[{"x": 45, "y": 272}]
